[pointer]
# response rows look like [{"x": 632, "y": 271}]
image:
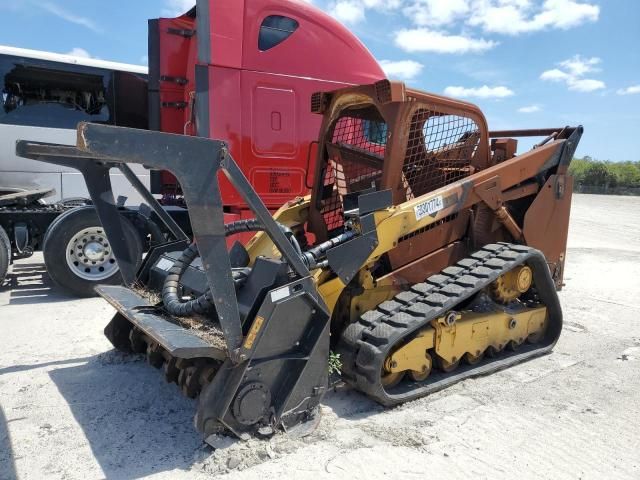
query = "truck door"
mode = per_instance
[
  {"x": 288, "y": 54},
  {"x": 172, "y": 53}
]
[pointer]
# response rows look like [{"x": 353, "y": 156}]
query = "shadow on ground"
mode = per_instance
[
  {"x": 23, "y": 368},
  {"x": 7, "y": 463},
  {"x": 30, "y": 285},
  {"x": 136, "y": 424}
]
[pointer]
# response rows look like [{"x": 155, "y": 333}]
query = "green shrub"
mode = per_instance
[{"x": 595, "y": 173}]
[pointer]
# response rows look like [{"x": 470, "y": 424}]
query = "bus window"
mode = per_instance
[{"x": 35, "y": 95}]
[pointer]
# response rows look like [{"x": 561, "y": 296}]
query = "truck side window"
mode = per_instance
[
  {"x": 376, "y": 132},
  {"x": 274, "y": 30}
]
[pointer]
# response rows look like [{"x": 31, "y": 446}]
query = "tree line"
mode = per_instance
[{"x": 605, "y": 175}]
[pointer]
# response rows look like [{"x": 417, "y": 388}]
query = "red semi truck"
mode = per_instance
[{"x": 242, "y": 71}]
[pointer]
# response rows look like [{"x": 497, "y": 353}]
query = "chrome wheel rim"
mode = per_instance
[{"x": 89, "y": 255}]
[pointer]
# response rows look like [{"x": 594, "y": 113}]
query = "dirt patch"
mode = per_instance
[
  {"x": 203, "y": 326},
  {"x": 64, "y": 414}
]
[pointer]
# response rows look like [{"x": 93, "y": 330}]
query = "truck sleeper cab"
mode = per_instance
[
  {"x": 238, "y": 70},
  {"x": 244, "y": 72}
]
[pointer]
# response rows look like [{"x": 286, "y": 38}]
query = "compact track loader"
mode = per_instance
[{"x": 427, "y": 253}]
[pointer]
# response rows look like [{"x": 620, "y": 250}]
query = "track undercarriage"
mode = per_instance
[{"x": 450, "y": 328}]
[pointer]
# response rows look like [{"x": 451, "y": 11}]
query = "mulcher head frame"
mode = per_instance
[{"x": 277, "y": 375}]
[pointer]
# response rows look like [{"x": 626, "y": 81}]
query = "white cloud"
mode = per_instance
[
  {"x": 354, "y": 11},
  {"x": 586, "y": 85},
  {"x": 348, "y": 11},
  {"x": 555, "y": 75},
  {"x": 529, "y": 109},
  {"x": 401, "y": 69},
  {"x": 174, "y": 8},
  {"x": 514, "y": 17},
  {"x": 455, "y": 26},
  {"x": 79, "y": 52},
  {"x": 68, "y": 16},
  {"x": 479, "y": 92},
  {"x": 382, "y": 4},
  {"x": 572, "y": 72},
  {"x": 632, "y": 90},
  {"x": 436, "y": 12},
  {"x": 579, "y": 66},
  {"x": 425, "y": 40}
]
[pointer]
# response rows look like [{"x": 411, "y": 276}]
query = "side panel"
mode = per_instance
[
  {"x": 172, "y": 54},
  {"x": 278, "y": 132},
  {"x": 225, "y": 122},
  {"x": 546, "y": 223},
  {"x": 169, "y": 61},
  {"x": 21, "y": 173},
  {"x": 225, "y": 34}
]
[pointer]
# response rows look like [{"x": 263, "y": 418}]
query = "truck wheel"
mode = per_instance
[
  {"x": 5, "y": 254},
  {"x": 77, "y": 253}
]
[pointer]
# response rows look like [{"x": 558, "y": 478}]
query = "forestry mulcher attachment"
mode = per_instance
[{"x": 427, "y": 253}]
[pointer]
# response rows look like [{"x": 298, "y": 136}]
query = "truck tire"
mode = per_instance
[
  {"x": 5, "y": 254},
  {"x": 77, "y": 253}
]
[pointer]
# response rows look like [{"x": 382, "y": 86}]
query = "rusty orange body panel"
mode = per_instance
[{"x": 420, "y": 145}]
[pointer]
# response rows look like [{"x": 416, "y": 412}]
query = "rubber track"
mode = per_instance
[{"x": 366, "y": 343}]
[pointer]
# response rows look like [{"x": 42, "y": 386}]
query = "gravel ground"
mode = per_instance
[{"x": 72, "y": 408}]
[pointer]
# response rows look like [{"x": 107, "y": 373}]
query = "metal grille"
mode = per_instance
[
  {"x": 383, "y": 91},
  {"x": 316, "y": 102},
  {"x": 439, "y": 151},
  {"x": 355, "y": 156}
]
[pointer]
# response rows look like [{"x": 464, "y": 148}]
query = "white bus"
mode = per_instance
[{"x": 45, "y": 95}]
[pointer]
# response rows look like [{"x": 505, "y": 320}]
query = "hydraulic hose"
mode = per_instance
[
  {"x": 312, "y": 257},
  {"x": 171, "y": 299}
]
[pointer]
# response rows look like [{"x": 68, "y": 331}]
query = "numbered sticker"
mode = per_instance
[{"x": 429, "y": 207}]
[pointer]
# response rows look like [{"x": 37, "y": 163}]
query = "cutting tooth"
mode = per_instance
[
  {"x": 171, "y": 372},
  {"x": 154, "y": 357},
  {"x": 188, "y": 380},
  {"x": 138, "y": 345}
]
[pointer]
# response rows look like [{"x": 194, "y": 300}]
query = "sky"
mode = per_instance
[{"x": 526, "y": 63}]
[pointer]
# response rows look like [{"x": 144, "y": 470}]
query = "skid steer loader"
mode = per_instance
[{"x": 427, "y": 253}]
